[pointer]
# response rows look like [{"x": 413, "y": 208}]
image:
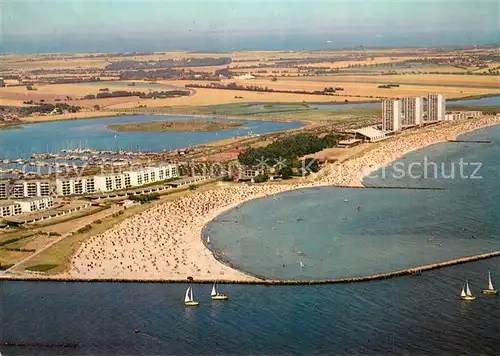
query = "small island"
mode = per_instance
[{"x": 176, "y": 125}]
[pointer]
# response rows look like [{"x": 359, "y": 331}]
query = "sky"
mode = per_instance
[{"x": 193, "y": 23}]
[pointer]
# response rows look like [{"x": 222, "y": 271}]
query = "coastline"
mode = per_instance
[{"x": 176, "y": 227}]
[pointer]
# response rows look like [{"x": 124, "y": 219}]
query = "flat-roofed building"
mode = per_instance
[
  {"x": 391, "y": 115},
  {"x": 115, "y": 181},
  {"x": 9, "y": 208},
  {"x": 369, "y": 134},
  {"x": 460, "y": 115},
  {"x": 21, "y": 189},
  {"x": 33, "y": 204},
  {"x": 412, "y": 111},
  {"x": 75, "y": 186}
]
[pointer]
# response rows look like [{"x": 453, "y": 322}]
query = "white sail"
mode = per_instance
[
  {"x": 191, "y": 294},
  {"x": 187, "y": 297},
  {"x": 469, "y": 294},
  {"x": 490, "y": 284},
  {"x": 214, "y": 290},
  {"x": 463, "y": 292},
  {"x": 208, "y": 239}
]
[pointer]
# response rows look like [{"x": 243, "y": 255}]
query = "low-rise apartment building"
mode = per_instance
[
  {"x": 9, "y": 208},
  {"x": 31, "y": 205},
  {"x": 24, "y": 189},
  {"x": 115, "y": 181}
]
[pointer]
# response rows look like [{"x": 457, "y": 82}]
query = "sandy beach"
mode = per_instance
[{"x": 165, "y": 242}]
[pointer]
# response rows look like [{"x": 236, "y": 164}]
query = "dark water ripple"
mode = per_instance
[{"x": 404, "y": 316}]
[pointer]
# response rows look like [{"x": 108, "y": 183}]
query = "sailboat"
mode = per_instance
[
  {"x": 301, "y": 264},
  {"x": 208, "y": 240},
  {"x": 466, "y": 293},
  {"x": 491, "y": 290},
  {"x": 188, "y": 299},
  {"x": 215, "y": 295}
]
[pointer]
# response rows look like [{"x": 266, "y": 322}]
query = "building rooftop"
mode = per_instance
[
  {"x": 30, "y": 199},
  {"x": 7, "y": 203},
  {"x": 186, "y": 180},
  {"x": 370, "y": 132},
  {"x": 23, "y": 218}
]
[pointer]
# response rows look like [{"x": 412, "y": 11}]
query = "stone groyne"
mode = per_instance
[{"x": 259, "y": 280}]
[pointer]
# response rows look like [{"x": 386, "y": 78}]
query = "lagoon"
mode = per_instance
[{"x": 20, "y": 142}]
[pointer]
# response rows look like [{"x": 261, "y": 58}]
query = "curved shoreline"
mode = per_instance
[
  {"x": 178, "y": 225},
  {"x": 262, "y": 281}
]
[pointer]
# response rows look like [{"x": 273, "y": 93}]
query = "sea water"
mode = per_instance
[
  {"x": 348, "y": 232},
  {"x": 417, "y": 315},
  {"x": 420, "y": 315}
]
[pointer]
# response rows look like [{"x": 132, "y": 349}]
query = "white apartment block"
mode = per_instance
[
  {"x": 436, "y": 108},
  {"x": 391, "y": 115},
  {"x": 31, "y": 205},
  {"x": 459, "y": 115},
  {"x": 115, "y": 181},
  {"x": 412, "y": 111},
  {"x": 24, "y": 189},
  {"x": 9, "y": 208}
]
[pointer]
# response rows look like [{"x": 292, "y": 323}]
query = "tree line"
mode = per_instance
[{"x": 289, "y": 148}]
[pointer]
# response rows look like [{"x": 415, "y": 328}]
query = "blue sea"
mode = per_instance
[
  {"x": 394, "y": 228},
  {"x": 401, "y": 316}
]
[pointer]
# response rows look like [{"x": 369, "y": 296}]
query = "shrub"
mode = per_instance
[
  {"x": 4, "y": 267},
  {"x": 84, "y": 229},
  {"x": 261, "y": 178},
  {"x": 143, "y": 198},
  {"x": 41, "y": 268}
]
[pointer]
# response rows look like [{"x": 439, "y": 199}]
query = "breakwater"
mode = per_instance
[
  {"x": 260, "y": 280},
  {"x": 471, "y": 141}
]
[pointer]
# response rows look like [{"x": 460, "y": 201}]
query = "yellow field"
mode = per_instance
[
  {"x": 356, "y": 87},
  {"x": 50, "y": 92},
  {"x": 365, "y": 89},
  {"x": 345, "y": 64},
  {"x": 213, "y": 97},
  {"x": 440, "y": 79}
]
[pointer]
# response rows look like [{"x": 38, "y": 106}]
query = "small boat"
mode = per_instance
[
  {"x": 466, "y": 293},
  {"x": 215, "y": 295},
  {"x": 345, "y": 200},
  {"x": 491, "y": 290},
  {"x": 301, "y": 264},
  {"x": 188, "y": 299},
  {"x": 208, "y": 239}
]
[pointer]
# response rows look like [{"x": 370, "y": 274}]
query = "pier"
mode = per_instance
[
  {"x": 471, "y": 141},
  {"x": 260, "y": 280}
]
